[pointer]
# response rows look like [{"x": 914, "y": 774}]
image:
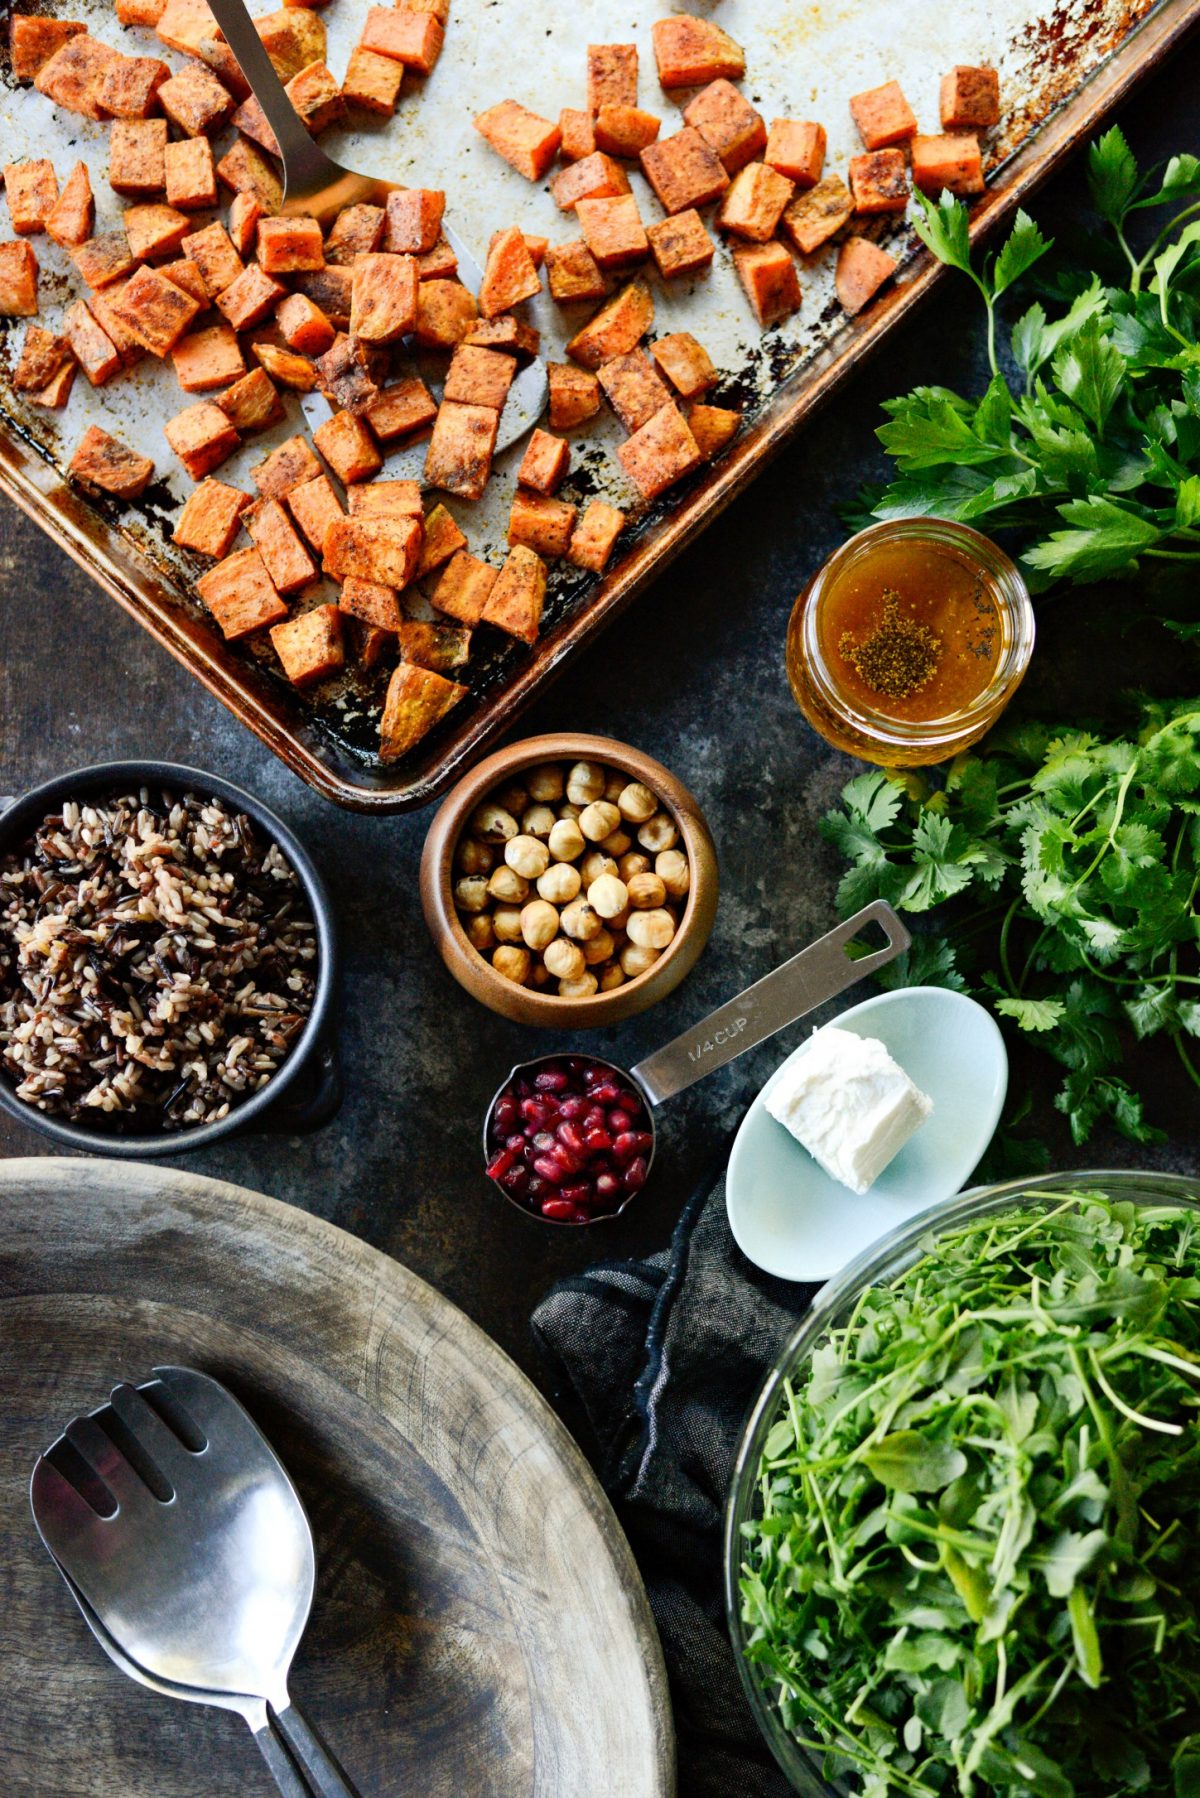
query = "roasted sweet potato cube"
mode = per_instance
[
  {"x": 244, "y": 169},
  {"x": 439, "y": 647},
  {"x": 245, "y": 210},
  {"x": 387, "y": 499},
  {"x": 187, "y": 274},
  {"x": 713, "y": 427},
  {"x": 384, "y": 304},
  {"x": 372, "y": 82},
  {"x": 459, "y": 456},
  {"x": 690, "y": 52},
  {"x": 356, "y": 231},
  {"x": 545, "y": 462},
  {"x": 73, "y": 214},
  {"x": 202, "y": 437},
  {"x": 274, "y": 537},
  {"x": 438, "y": 264},
  {"x": 479, "y": 377},
  {"x": 311, "y": 647},
  {"x": 386, "y": 550},
  {"x": 612, "y": 75},
  {"x": 103, "y": 260},
  {"x": 680, "y": 245},
  {"x": 250, "y": 298},
  {"x": 541, "y": 523},
  {"x": 401, "y": 410},
  {"x": 862, "y": 269},
  {"x": 196, "y": 101},
  {"x": 574, "y": 395},
  {"x": 573, "y": 272},
  {"x": 684, "y": 171},
  {"x": 74, "y": 75},
  {"x": 527, "y": 142},
  {"x": 796, "y": 148},
  {"x": 414, "y": 220},
  {"x": 594, "y": 177},
  {"x": 463, "y": 590},
  {"x": 286, "y": 367},
  {"x": 754, "y": 204},
  {"x": 129, "y": 88},
  {"x": 208, "y": 358},
  {"x": 137, "y": 156},
  {"x": 372, "y": 603},
  {"x": 184, "y": 25},
  {"x": 42, "y": 355},
  {"x": 91, "y": 345},
  {"x": 348, "y": 447},
  {"x": 618, "y": 327},
  {"x": 215, "y": 257},
  {"x": 210, "y": 517},
  {"x": 633, "y": 389},
  {"x": 332, "y": 289},
  {"x": 104, "y": 309},
  {"x": 316, "y": 96},
  {"x": 288, "y": 246},
  {"x": 968, "y": 98},
  {"x": 35, "y": 40},
  {"x": 951, "y": 163},
  {"x": 514, "y": 604},
  {"x": 315, "y": 506},
  {"x": 509, "y": 276},
  {"x": 593, "y": 537},
  {"x": 31, "y": 190},
  {"x": 728, "y": 123},
  {"x": 154, "y": 230},
  {"x": 140, "y": 12},
  {"x": 252, "y": 122},
  {"x": 293, "y": 38},
  {"x": 102, "y": 461},
  {"x": 768, "y": 275},
  {"x": 507, "y": 333},
  {"x": 613, "y": 231},
  {"x": 416, "y": 700},
  {"x": 660, "y": 453},
  {"x": 625, "y": 130},
  {"x": 286, "y": 467},
  {"x": 154, "y": 311},
  {"x": 883, "y": 116},
  {"x": 304, "y": 326},
  {"x": 241, "y": 595},
  {"x": 812, "y": 218},
  {"x": 347, "y": 374},
  {"x": 879, "y": 181},
  {"x": 577, "y": 134},
  {"x": 408, "y": 37},
  {"x": 686, "y": 364},
  {"x": 373, "y": 645},
  {"x": 443, "y": 539},
  {"x": 446, "y": 311},
  {"x": 191, "y": 174}
]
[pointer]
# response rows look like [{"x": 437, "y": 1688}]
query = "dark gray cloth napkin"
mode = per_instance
[{"x": 655, "y": 1363}]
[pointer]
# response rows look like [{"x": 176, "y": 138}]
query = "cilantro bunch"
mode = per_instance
[
  {"x": 1091, "y": 451},
  {"x": 973, "y": 1561},
  {"x": 1071, "y": 864}
]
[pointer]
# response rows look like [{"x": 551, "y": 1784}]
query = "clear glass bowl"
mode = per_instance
[{"x": 880, "y": 1265}]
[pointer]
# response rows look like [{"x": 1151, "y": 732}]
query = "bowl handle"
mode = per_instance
[{"x": 323, "y": 1100}]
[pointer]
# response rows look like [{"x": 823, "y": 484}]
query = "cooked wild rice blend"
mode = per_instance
[{"x": 156, "y": 961}]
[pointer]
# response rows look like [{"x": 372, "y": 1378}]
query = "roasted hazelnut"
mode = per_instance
[
  {"x": 616, "y": 844},
  {"x": 493, "y": 823},
  {"x": 594, "y": 864},
  {"x": 539, "y": 923},
  {"x": 608, "y": 896},
  {"x": 646, "y": 892},
  {"x": 566, "y": 841},
  {"x": 599, "y": 820},
  {"x": 513, "y": 963},
  {"x": 636, "y": 802},
  {"x": 537, "y": 821},
  {"x": 585, "y": 782},
  {"x": 601, "y": 948},
  {"x": 506, "y": 884},
  {"x": 651, "y": 929},
  {"x": 564, "y": 959},
  {"x": 514, "y": 798},
  {"x": 635, "y": 959},
  {"x": 506, "y": 922},
  {"x": 560, "y": 883},
  {"x": 475, "y": 857},
  {"x": 612, "y": 977},
  {"x": 568, "y": 810},
  {"x": 481, "y": 932},
  {"x": 580, "y": 921},
  {"x": 658, "y": 833},
  {"x": 539, "y": 974},
  {"x": 527, "y": 856},
  {"x": 673, "y": 870},
  {"x": 634, "y": 863},
  {"x": 614, "y": 786},
  {"x": 581, "y": 988},
  {"x": 471, "y": 892},
  {"x": 546, "y": 783}
]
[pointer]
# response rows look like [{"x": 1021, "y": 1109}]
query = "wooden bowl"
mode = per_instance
[{"x": 525, "y": 1005}]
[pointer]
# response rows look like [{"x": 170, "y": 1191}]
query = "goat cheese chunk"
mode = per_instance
[{"x": 849, "y": 1104}]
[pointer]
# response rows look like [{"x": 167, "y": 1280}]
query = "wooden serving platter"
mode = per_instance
[{"x": 479, "y": 1625}]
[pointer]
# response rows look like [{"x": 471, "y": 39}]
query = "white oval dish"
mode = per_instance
[{"x": 791, "y": 1219}]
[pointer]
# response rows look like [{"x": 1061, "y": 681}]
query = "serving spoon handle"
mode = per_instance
[{"x": 320, "y": 1769}]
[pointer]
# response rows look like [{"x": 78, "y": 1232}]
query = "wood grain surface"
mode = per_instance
[{"x": 479, "y": 1626}]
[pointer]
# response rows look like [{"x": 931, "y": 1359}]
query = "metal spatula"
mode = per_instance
[
  {"x": 170, "y": 1513},
  {"x": 318, "y": 187}
]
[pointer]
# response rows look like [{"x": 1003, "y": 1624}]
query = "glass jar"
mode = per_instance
[{"x": 966, "y": 611}]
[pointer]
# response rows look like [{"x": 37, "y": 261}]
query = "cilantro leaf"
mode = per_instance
[{"x": 1031, "y": 1014}]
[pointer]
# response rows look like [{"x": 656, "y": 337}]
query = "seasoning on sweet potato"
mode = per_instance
[
  {"x": 372, "y": 82},
  {"x": 507, "y": 333},
  {"x": 184, "y": 25},
  {"x": 42, "y": 355},
  {"x": 187, "y": 274},
  {"x": 685, "y": 362},
  {"x": 387, "y": 499},
  {"x": 545, "y": 462},
  {"x": 140, "y": 12},
  {"x": 250, "y": 298},
  {"x": 347, "y": 374},
  {"x": 862, "y": 269},
  {"x": 154, "y": 230},
  {"x": 91, "y": 345},
  {"x": 713, "y": 427},
  {"x": 509, "y": 276},
  {"x": 416, "y": 700},
  {"x": 103, "y": 260},
  {"x": 879, "y": 181},
  {"x": 968, "y": 98},
  {"x": 619, "y": 325},
  {"x": 537, "y": 246},
  {"x": 625, "y": 130},
  {"x": 613, "y": 231},
  {"x": 660, "y": 454},
  {"x": 812, "y": 218},
  {"x": 34, "y": 40},
  {"x": 196, "y": 101},
  {"x": 72, "y": 217},
  {"x": 251, "y": 404},
  {"x": 479, "y": 377},
  {"x": 244, "y": 169},
  {"x": 574, "y": 395},
  {"x": 286, "y": 367},
  {"x": 573, "y": 273},
  {"x": 303, "y": 325},
  {"x": 883, "y": 116},
  {"x": 690, "y": 52},
  {"x": 768, "y": 275},
  {"x": 104, "y": 462},
  {"x": 316, "y": 96},
  {"x": 728, "y": 123},
  {"x": 684, "y": 170},
  {"x": 315, "y": 506},
  {"x": 154, "y": 311},
  {"x": 446, "y": 312},
  {"x": 527, "y": 142},
  {"x": 593, "y": 537},
  {"x": 796, "y": 148},
  {"x": 950, "y": 163},
  {"x": 439, "y": 647},
  {"x": 438, "y": 264},
  {"x": 202, "y": 437},
  {"x": 332, "y": 289},
  {"x": 612, "y": 76},
  {"x": 514, "y": 604},
  {"x": 252, "y": 122},
  {"x": 57, "y": 390},
  {"x": 680, "y": 245},
  {"x": 129, "y": 88},
  {"x": 293, "y": 37},
  {"x": 191, "y": 174},
  {"x": 402, "y": 409},
  {"x": 541, "y": 522},
  {"x": 286, "y": 467},
  {"x": 209, "y": 520},
  {"x": 459, "y": 456},
  {"x": 286, "y": 560},
  {"x": 633, "y": 389},
  {"x": 412, "y": 38},
  {"x": 208, "y": 358},
  {"x": 372, "y": 644},
  {"x": 577, "y": 134},
  {"x": 443, "y": 539},
  {"x": 241, "y": 595},
  {"x": 245, "y": 210},
  {"x": 386, "y": 550},
  {"x": 594, "y": 177},
  {"x": 384, "y": 304},
  {"x": 311, "y": 646},
  {"x": 104, "y": 309},
  {"x": 214, "y": 254},
  {"x": 18, "y": 280},
  {"x": 288, "y": 246},
  {"x": 31, "y": 189},
  {"x": 137, "y": 156},
  {"x": 348, "y": 447},
  {"x": 754, "y": 204},
  {"x": 74, "y": 75},
  {"x": 355, "y": 231},
  {"x": 414, "y": 220},
  {"x": 371, "y": 602},
  {"x": 463, "y": 590}
]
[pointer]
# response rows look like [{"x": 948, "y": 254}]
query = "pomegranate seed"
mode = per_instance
[
  {"x": 516, "y": 1181},
  {"x": 571, "y": 1165},
  {"x": 619, "y": 1121},
  {"x": 608, "y": 1094},
  {"x": 594, "y": 1118},
  {"x": 551, "y": 1169},
  {"x": 635, "y": 1174},
  {"x": 500, "y": 1166},
  {"x": 551, "y": 1080},
  {"x": 598, "y": 1142},
  {"x": 516, "y": 1142},
  {"x": 507, "y": 1116},
  {"x": 573, "y": 1109},
  {"x": 534, "y": 1111},
  {"x": 538, "y": 1188},
  {"x": 560, "y": 1209},
  {"x": 608, "y": 1186},
  {"x": 626, "y": 1146},
  {"x": 542, "y": 1141},
  {"x": 578, "y": 1195},
  {"x": 571, "y": 1138},
  {"x": 595, "y": 1075}
]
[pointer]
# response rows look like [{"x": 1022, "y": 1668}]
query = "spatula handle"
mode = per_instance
[
  {"x": 321, "y": 1770},
  {"x": 295, "y": 143}
]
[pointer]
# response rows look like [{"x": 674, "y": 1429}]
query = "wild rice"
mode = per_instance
[{"x": 156, "y": 961}]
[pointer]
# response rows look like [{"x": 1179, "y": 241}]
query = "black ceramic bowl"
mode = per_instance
[{"x": 287, "y": 1104}]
